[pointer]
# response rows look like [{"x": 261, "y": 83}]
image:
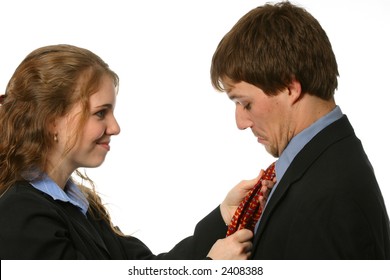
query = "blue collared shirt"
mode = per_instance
[
  {"x": 71, "y": 192},
  {"x": 298, "y": 142}
]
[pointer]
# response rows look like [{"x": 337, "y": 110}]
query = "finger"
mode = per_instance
[
  {"x": 247, "y": 246},
  {"x": 251, "y": 183},
  {"x": 247, "y": 250},
  {"x": 263, "y": 202},
  {"x": 265, "y": 189},
  {"x": 261, "y": 173},
  {"x": 264, "y": 193},
  {"x": 255, "y": 180},
  {"x": 247, "y": 185},
  {"x": 267, "y": 183},
  {"x": 243, "y": 250}
]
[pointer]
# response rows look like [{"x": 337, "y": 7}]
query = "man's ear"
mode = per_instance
[{"x": 295, "y": 91}]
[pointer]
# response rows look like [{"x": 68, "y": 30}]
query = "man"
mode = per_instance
[{"x": 278, "y": 66}]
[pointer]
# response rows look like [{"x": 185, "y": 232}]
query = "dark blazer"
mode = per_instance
[
  {"x": 34, "y": 226},
  {"x": 327, "y": 205}
]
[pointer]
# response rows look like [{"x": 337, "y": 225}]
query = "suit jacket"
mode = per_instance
[
  {"x": 328, "y": 204},
  {"x": 34, "y": 226}
]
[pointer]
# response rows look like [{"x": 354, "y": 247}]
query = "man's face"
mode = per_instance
[{"x": 267, "y": 116}]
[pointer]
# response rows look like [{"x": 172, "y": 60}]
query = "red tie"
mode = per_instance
[{"x": 249, "y": 210}]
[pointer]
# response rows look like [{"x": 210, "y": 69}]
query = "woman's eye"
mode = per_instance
[{"x": 101, "y": 114}]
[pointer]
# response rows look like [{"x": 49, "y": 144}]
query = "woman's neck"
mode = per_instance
[{"x": 59, "y": 175}]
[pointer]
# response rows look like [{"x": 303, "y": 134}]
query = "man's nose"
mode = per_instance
[{"x": 242, "y": 119}]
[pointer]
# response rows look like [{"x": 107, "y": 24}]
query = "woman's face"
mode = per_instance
[{"x": 93, "y": 141}]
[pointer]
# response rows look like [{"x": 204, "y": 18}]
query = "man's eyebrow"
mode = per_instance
[
  {"x": 234, "y": 96},
  {"x": 231, "y": 93}
]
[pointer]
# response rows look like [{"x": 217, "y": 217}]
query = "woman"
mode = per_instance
[{"x": 56, "y": 116}]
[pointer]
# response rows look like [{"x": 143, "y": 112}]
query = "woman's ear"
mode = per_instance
[
  {"x": 52, "y": 126},
  {"x": 53, "y": 129}
]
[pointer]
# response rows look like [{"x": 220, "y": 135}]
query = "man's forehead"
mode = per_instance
[
  {"x": 227, "y": 84},
  {"x": 231, "y": 90}
]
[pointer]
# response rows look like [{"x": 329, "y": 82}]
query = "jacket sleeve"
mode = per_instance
[{"x": 207, "y": 232}]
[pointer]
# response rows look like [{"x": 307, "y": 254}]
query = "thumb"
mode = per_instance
[
  {"x": 247, "y": 185},
  {"x": 243, "y": 235}
]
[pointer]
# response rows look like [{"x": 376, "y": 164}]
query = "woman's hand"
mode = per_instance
[
  {"x": 237, "y": 194},
  {"x": 237, "y": 246},
  {"x": 266, "y": 188}
]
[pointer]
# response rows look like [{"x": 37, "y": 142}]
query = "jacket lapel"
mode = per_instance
[
  {"x": 83, "y": 226},
  {"x": 299, "y": 166}
]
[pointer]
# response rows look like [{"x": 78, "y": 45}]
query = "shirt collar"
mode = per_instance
[
  {"x": 71, "y": 193},
  {"x": 300, "y": 140}
]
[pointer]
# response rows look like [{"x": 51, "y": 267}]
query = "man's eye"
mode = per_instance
[{"x": 247, "y": 106}]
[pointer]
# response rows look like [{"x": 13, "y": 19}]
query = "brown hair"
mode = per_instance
[
  {"x": 45, "y": 86},
  {"x": 272, "y": 45}
]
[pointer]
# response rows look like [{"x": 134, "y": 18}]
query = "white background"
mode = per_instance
[{"x": 179, "y": 151}]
